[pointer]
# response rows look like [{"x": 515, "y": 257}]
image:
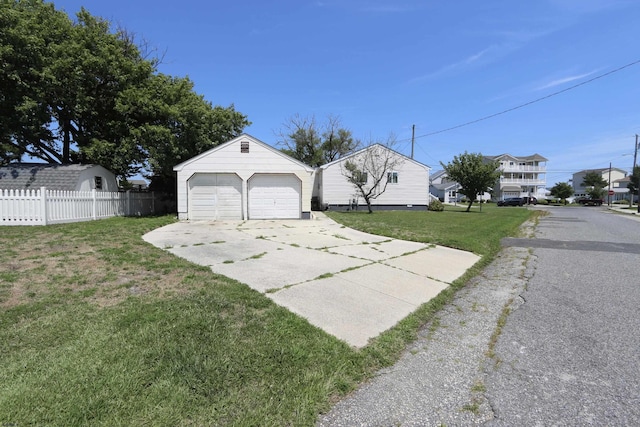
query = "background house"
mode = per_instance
[
  {"x": 446, "y": 190},
  {"x": 614, "y": 176},
  {"x": 243, "y": 179},
  {"x": 407, "y": 186},
  {"x": 443, "y": 188},
  {"x": 33, "y": 176},
  {"x": 520, "y": 176}
]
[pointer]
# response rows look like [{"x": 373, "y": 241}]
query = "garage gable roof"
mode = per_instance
[
  {"x": 237, "y": 140},
  {"x": 409, "y": 159}
]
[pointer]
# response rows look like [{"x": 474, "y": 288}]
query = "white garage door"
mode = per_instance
[
  {"x": 274, "y": 196},
  {"x": 215, "y": 196}
]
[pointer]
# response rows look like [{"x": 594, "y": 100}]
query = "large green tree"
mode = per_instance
[
  {"x": 76, "y": 91},
  {"x": 314, "y": 144},
  {"x": 562, "y": 190},
  {"x": 474, "y": 173},
  {"x": 595, "y": 183}
]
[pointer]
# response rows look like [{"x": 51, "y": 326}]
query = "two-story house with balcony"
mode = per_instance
[{"x": 522, "y": 176}]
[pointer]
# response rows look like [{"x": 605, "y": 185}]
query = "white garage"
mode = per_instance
[
  {"x": 274, "y": 196},
  {"x": 215, "y": 196},
  {"x": 243, "y": 179}
]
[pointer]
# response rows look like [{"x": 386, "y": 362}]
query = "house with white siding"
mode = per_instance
[
  {"x": 614, "y": 176},
  {"x": 244, "y": 178},
  {"x": 407, "y": 185},
  {"x": 444, "y": 188},
  {"x": 521, "y": 176},
  {"x": 447, "y": 190}
]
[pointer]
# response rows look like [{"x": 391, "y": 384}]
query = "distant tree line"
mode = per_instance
[{"x": 79, "y": 91}]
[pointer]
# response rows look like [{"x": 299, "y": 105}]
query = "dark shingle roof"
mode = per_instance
[{"x": 32, "y": 176}]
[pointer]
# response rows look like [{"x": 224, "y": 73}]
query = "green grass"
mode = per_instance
[
  {"x": 475, "y": 231},
  {"x": 101, "y": 328}
]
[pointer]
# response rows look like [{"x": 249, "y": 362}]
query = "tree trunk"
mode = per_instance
[
  {"x": 469, "y": 207},
  {"x": 368, "y": 204},
  {"x": 66, "y": 143}
]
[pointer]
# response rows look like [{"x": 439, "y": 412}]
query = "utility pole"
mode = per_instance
[
  {"x": 609, "y": 187},
  {"x": 413, "y": 137},
  {"x": 635, "y": 155}
]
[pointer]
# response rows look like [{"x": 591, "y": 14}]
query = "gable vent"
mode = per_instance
[{"x": 244, "y": 146}]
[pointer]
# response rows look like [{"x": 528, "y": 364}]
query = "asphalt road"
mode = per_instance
[{"x": 570, "y": 353}]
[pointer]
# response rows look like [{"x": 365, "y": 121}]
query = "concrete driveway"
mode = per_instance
[{"x": 352, "y": 285}]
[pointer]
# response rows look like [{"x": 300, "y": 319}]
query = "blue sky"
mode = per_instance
[{"x": 385, "y": 65}]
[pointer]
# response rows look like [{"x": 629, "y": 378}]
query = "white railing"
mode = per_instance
[
  {"x": 42, "y": 207},
  {"x": 523, "y": 168},
  {"x": 523, "y": 181}
]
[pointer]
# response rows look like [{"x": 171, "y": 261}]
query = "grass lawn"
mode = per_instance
[
  {"x": 476, "y": 231},
  {"x": 98, "y": 327}
]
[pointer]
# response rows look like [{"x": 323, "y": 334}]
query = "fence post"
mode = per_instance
[
  {"x": 95, "y": 204},
  {"x": 43, "y": 205},
  {"x": 127, "y": 205}
]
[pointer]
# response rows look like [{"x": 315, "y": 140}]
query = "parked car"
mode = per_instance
[
  {"x": 588, "y": 201},
  {"x": 512, "y": 201}
]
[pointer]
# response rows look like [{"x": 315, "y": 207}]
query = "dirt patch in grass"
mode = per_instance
[{"x": 61, "y": 264}]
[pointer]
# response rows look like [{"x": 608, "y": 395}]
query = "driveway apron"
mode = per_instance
[{"x": 351, "y": 284}]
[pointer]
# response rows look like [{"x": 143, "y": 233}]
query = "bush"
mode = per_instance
[
  {"x": 436, "y": 206},
  {"x": 543, "y": 202}
]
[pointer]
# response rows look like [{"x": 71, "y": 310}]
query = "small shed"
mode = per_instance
[
  {"x": 244, "y": 178},
  {"x": 74, "y": 177}
]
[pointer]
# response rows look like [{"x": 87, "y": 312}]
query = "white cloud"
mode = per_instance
[
  {"x": 484, "y": 56},
  {"x": 563, "y": 80}
]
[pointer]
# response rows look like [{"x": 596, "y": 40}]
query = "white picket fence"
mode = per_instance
[{"x": 42, "y": 207}]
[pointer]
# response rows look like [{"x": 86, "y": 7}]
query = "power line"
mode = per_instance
[{"x": 530, "y": 102}]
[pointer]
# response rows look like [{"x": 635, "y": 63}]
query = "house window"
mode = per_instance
[
  {"x": 361, "y": 177},
  {"x": 392, "y": 177},
  {"x": 244, "y": 146},
  {"x": 98, "y": 182}
]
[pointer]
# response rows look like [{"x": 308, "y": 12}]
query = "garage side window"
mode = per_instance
[
  {"x": 392, "y": 177},
  {"x": 244, "y": 146}
]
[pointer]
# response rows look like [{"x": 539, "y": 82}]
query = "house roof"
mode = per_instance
[
  {"x": 446, "y": 185},
  {"x": 32, "y": 176},
  {"x": 532, "y": 158},
  {"x": 369, "y": 147},
  {"x": 437, "y": 174},
  {"x": 623, "y": 180},
  {"x": 600, "y": 170},
  {"x": 235, "y": 140}
]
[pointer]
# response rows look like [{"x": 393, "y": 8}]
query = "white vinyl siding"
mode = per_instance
[
  {"x": 230, "y": 158},
  {"x": 412, "y": 187}
]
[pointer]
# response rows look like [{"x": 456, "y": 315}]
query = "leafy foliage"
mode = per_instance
[
  {"x": 74, "y": 91},
  {"x": 595, "y": 184},
  {"x": 562, "y": 190},
  {"x": 436, "y": 205},
  {"x": 304, "y": 139},
  {"x": 473, "y": 173}
]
